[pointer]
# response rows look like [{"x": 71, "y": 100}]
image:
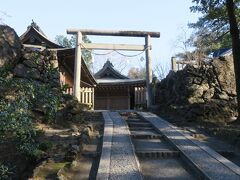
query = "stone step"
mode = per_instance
[
  {"x": 170, "y": 168},
  {"x": 160, "y": 154},
  {"x": 151, "y": 145},
  {"x": 204, "y": 161},
  {"x": 139, "y": 125},
  {"x": 146, "y": 136},
  {"x": 144, "y": 132},
  {"x": 141, "y": 129},
  {"x": 136, "y": 120}
]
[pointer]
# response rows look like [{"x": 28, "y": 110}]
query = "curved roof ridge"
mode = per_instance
[
  {"x": 109, "y": 71},
  {"x": 34, "y": 27},
  {"x": 37, "y": 28}
]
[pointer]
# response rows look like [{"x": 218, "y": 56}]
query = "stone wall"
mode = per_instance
[
  {"x": 38, "y": 65},
  {"x": 206, "y": 92},
  {"x": 10, "y": 46},
  {"x": 25, "y": 62}
]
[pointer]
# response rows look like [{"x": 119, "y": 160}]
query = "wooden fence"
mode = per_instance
[
  {"x": 179, "y": 65},
  {"x": 140, "y": 96},
  {"x": 86, "y": 96},
  {"x": 69, "y": 90}
]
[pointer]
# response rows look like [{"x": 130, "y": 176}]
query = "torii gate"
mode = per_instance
[{"x": 147, "y": 48}]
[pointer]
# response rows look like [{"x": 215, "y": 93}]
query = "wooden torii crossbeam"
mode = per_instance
[{"x": 147, "y": 48}]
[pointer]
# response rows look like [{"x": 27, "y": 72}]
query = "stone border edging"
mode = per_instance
[
  {"x": 233, "y": 167},
  {"x": 200, "y": 173},
  {"x": 104, "y": 164}
]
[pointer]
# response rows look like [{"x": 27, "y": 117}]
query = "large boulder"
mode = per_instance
[
  {"x": 224, "y": 69},
  {"x": 25, "y": 72},
  {"x": 10, "y": 46}
]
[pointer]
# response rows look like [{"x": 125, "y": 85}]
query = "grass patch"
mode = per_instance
[{"x": 50, "y": 170}]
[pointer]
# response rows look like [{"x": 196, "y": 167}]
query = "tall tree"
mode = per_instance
[
  {"x": 64, "y": 41},
  {"x": 234, "y": 30},
  {"x": 223, "y": 18},
  {"x": 214, "y": 22},
  {"x": 137, "y": 73},
  {"x": 71, "y": 43},
  {"x": 202, "y": 44}
]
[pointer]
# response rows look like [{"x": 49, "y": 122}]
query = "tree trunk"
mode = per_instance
[{"x": 235, "y": 46}]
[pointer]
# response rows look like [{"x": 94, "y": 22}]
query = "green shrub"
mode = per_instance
[
  {"x": 19, "y": 98},
  {"x": 6, "y": 171},
  {"x": 16, "y": 124},
  {"x": 44, "y": 146}
]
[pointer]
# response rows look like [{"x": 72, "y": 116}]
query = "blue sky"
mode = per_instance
[{"x": 54, "y": 17}]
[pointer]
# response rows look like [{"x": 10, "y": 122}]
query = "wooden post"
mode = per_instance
[
  {"x": 108, "y": 101},
  {"x": 90, "y": 97},
  {"x": 82, "y": 95},
  {"x": 93, "y": 99},
  {"x": 77, "y": 68},
  {"x": 173, "y": 62},
  {"x": 140, "y": 101},
  {"x": 86, "y": 97},
  {"x": 136, "y": 97},
  {"x": 102, "y": 32},
  {"x": 148, "y": 70},
  {"x": 128, "y": 98}
]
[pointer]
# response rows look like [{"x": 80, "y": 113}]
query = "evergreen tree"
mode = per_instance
[
  {"x": 222, "y": 17},
  {"x": 71, "y": 43}
]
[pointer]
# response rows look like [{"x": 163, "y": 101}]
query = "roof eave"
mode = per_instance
[{"x": 41, "y": 35}]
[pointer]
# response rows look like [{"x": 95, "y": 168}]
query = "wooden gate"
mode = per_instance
[
  {"x": 86, "y": 94},
  {"x": 140, "y": 96}
]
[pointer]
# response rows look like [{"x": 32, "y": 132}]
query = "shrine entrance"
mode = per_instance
[{"x": 123, "y": 47}]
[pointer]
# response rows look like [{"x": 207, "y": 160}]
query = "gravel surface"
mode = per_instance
[{"x": 124, "y": 164}]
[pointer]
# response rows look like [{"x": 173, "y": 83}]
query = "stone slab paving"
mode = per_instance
[
  {"x": 104, "y": 164},
  {"x": 210, "y": 163},
  {"x": 124, "y": 163},
  {"x": 151, "y": 145}
]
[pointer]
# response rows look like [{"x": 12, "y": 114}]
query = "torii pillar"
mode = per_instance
[
  {"x": 149, "y": 93},
  {"x": 147, "y": 47},
  {"x": 77, "y": 66}
]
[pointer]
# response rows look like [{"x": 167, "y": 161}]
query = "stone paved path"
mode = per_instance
[
  {"x": 119, "y": 162},
  {"x": 212, "y": 164},
  {"x": 123, "y": 164}
]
